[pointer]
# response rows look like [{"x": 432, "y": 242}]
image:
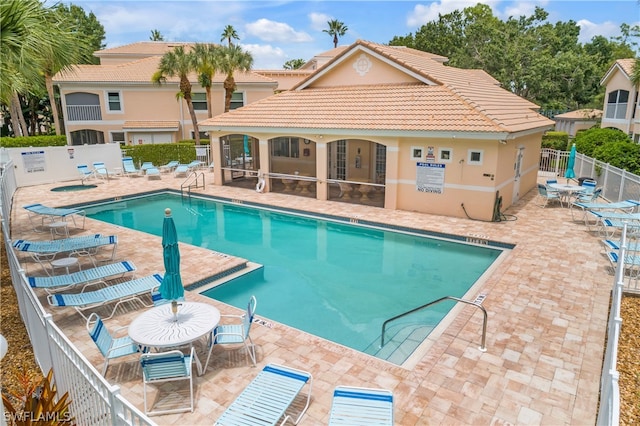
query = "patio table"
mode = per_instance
[{"x": 158, "y": 328}]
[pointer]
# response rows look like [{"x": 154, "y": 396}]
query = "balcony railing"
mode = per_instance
[{"x": 84, "y": 113}]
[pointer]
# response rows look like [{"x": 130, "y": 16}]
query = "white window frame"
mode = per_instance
[
  {"x": 244, "y": 101},
  {"x": 443, "y": 150},
  {"x": 108, "y": 104},
  {"x": 470, "y": 155},
  {"x": 199, "y": 101},
  {"x": 617, "y": 110},
  {"x": 417, "y": 153}
]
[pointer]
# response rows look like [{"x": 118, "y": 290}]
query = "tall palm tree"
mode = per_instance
[
  {"x": 24, "y": 34},
  {"x": 229, "y": 33},
  {"x": 206, "y": 61},
  {"x": 178, "y": 63},
  {"x": 336, "y": 29},
  {"x": 156, "y": 35},
  {"x": 232, "y": 59}
]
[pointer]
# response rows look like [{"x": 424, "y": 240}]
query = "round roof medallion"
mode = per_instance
[{"x": 362, "y": 65}]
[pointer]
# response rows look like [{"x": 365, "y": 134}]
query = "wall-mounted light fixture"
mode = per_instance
[{"x": 503, "y": 142}]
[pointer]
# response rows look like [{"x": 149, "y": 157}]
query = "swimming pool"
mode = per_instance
[{"x": 333, "y": 279}]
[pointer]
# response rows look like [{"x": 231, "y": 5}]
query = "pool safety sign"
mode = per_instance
[
  {"x": 33, "y": 161},
  {"x": 430, "y": 177}
]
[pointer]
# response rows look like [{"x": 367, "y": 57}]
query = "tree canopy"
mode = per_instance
[
  {"x": 293, "y": 64},
  {"x": 336, "y": 29},
  {"x": 538, "y": 60}
]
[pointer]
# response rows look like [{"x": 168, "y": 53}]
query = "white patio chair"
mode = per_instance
[
  {"x": 236, "y": 333},
  {"x": 355, "y": 406},
  {"x": 167, "y": 367},
  {"x": 547, "y": 196}
]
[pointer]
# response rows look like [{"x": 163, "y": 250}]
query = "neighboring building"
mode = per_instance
[
  {"x": 621, "y": 105},
  {"x": 388, "y": 126},
  {"x": 573, "y": 121},
  {"x": 116, "y": 102}
]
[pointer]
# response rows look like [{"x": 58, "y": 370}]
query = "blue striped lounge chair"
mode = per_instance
[
  {"x": 266, "y": 399},
  {"x": 87, "y": 277},
  {"x": 86, "y": 173},
  {"x": 169, "y": 166},
  {"x": 81, "y": 246},
  {"x": 109, "y": 346},
  {"x": 51, "y": 214},
  {"x": 181, "y": 170},
  {"x": 627, "y": 206},
  {"x": 127, "y": 291},
  {"x": 152, "y": 173},
  {"x": 129, "y": 168},
  {"x": 354, "y": 406},
  {"x": 195, "y": 164},
  {"x": 163, "y": 367},
  {"x": 632, "y": 245}
]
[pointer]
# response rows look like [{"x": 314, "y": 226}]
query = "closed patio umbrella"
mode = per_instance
[
  {"x": 570, "y": 174},
  {"x": 171, "y": 287}
]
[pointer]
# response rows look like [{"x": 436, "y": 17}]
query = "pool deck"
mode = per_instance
[{"x": 547, "y": 303}]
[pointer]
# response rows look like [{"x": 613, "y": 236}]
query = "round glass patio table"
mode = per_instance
[
  {"x": 566, "y": 187},
  {"x": 158, "y": 328}
]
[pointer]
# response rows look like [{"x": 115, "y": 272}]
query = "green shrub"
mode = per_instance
[
  {"x": 159, "y": 154},
  {"x": 588, "y": 141},
  {"x": 27, "y": 141},
  {"x": 622, "y": 154},
  {"x": 556, "y": 140}
]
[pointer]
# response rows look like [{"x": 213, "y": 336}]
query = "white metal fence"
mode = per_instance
[
  {"x": 93, "y": 400},
  {"x": 617, "y": 184}
]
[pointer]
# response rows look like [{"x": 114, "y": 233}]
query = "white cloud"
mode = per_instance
[
  {"x": 519, "y": 8},
  {"x": 589, "y": 29},
  {"x": 266, "y": 56},
  {"x": 271, "y": 31},
  {"x": 319, "y": 20}
]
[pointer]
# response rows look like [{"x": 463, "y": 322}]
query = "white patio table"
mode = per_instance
[
  {"x": 159, "y": 328},
  {"x": 566, "y": 190}
]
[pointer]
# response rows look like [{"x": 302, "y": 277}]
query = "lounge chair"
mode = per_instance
[
  {"x": 626, "y": 206},
  {"x": 129, "y": 168},
  {"x": 127, "y": 291},
  {"x": 354, "y": 406},
  {"x": 167, "y": 367},
  {"x": 86, "y": 173},
  {"x": 607, "y": 226},
  {"x": 81, "y": 246},
  {"x": 181, "y": 170},
  {"x": 110, "y": 347},
  {"x": 265, "y": 400},
  {"x": 195, "y": 164},
  {"x": 101, "y": 170},
  {"x": 87, "y": 277},
  {"x": 632, "y": 245},
  {"x": 146, "y": 165},
  {"x": 52, "y": 214},
  {"x": 152, "y": 173},
  {"x": 169, "y": 166}
]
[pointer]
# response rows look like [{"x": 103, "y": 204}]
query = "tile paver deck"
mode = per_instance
[{"x": 547, "y": 304}]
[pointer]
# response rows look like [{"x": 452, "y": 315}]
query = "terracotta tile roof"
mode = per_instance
[
  {"x": 584, "y": 114},
  {"x": 151, "y": 124},
  {"x": 462, "y": 100},
  {"x": 408, "y": 107},
  {"x": 151, "y": 48},
  {"x": 626, "y": 65},
  {"x": 140, "y": 71}
]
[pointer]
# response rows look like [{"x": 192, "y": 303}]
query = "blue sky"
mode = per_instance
[{"x": 277, "y": 31}]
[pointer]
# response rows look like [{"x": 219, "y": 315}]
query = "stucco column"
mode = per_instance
[
  {"x": 215, "y": 145},
  {"x": 391, "y": 183},
  {"x": 322, "y": 191},
  {"x": 263, "y": 149}
]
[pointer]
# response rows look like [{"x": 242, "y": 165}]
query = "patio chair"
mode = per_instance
[
  {"x": 632, "y": 245},
  {"x": 353, "y": 406},
  {"x": 195, "y": 164},
  {"x": 86, "y": 173},
  {"x": 52, "y": 214},
  {"x": 266, "y": 399},
  {"x": 87, "y": 277},
  {"x": 129, "y": 168},
  {"x": 100, "y": 170},
  {"x": 127, "y": 291},
  {"x": 167, "y": 367},
  {"x": 547, "y": 196},
  {"x": 146, "y": 166},
  {"x": 181, "y": 170},
  {"x": 110, "y": 347},
  {"x": 236, "y": 333},
  {"x": 627, "y": 206},
  {"x": 169, "y": 166}
]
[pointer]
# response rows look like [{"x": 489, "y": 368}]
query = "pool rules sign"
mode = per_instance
[{"x": 430, "y": 177}]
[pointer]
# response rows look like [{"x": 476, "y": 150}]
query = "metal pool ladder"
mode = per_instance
[
  {"x": 192, "y": 182},
  {"x": 477, "y": 303}
]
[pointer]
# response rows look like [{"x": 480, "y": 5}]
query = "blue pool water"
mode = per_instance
[{"x": 335, "y": 280}]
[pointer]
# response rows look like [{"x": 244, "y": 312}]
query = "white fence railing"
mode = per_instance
[
  {"x": 617, "y": 184},
  {"x": 93, "y": 400}
]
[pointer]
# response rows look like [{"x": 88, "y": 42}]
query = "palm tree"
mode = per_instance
[
  {"x": 24, "y": 34},
  {"x": 229, "y": 33},
  {"x": 336, "y": 29},
  {"x": 206, "y": 61},
  {"x": 635, "y": 73},
  {"x": 232, "y": 59},
  {"x": 156, "y": 36},
  {"x": 178, "y": 63}
]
